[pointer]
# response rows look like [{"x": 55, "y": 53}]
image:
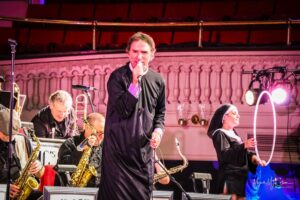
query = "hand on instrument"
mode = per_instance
[
  {"x": 155, "y": 140},
  {"x": 37, "y": 169},
  {"x": 250, "y": 143},
  {"x": 14, "y": 191}
]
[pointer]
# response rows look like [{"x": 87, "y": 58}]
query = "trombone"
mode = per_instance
[
  {"x": 20, "y": 99},
  {"x": 80, "y": 110}
]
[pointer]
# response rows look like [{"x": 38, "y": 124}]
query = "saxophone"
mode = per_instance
[
  {"x": 26, "y": 182},
  {"x": 172, "y": 170},
  {"x": 84, "y": 171}
]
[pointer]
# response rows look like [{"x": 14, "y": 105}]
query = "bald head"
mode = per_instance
[{"x": 97, "y": 120}]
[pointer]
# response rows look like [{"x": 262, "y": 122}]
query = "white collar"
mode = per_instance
[{"x": 229, "y": 134}]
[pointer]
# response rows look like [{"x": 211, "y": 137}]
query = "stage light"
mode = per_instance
[
  {"x": 279, "y": 95},
  {"x": 251, "y": 96},
  {"x": 278, "y": 80}
]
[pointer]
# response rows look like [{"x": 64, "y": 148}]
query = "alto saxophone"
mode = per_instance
[
  {"x": 172, "y": 170},
  {"x": 26, "y": 182},
  {"x": 84, "y": 171}
]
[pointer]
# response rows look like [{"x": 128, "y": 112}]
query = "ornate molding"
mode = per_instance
[{"x": 209, "y": 78}]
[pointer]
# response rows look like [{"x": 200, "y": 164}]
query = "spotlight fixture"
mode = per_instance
[
  {"x": 277, "y": 80},
  {"x": 253, "y": 92},
  {"x": 251, "y": 96},
  {"x": 279, "y": 95}
]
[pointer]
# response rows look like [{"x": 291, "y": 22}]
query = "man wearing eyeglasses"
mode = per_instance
[
  {"x": 56, "y": 119},
  {"x": 72, "y": 149}
]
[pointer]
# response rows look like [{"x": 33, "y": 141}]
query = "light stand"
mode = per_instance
[
  {"x": 174, "y": 181},
  {"x": 13, "y": 45},
  {"x": 90, "y": 99}
]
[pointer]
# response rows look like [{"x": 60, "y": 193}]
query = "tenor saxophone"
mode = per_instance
[
  {"x": 84, "y": 172},
  {"x": 172, "y": 170},
  {"x": 26, "y": 182}
]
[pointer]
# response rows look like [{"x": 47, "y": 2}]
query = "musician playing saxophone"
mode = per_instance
[
  {"x": 72, "y": 149},
  {"x": 20, "y": 153}
]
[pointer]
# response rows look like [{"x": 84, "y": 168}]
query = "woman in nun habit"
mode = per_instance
[{"x": 234, "y": 157}]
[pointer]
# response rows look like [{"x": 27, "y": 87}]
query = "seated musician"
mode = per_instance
[
  {"x": 72, "y": 149},
  {"x": 21, "y": 152},
  {"x": 56, "y": 119}
]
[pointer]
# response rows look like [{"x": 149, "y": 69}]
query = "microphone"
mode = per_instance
[
  {"x": 12, "y": 42},
  {"x": 139, "y": 79},
  {"x": 250, "y": 72},
  {"x": 297, "y": 72},
  {"x": 83, "y": 87}
]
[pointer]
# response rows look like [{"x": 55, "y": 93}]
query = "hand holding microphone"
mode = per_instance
[
  {"x": 155, "y": 139},
  {"x": 137, "y": 72}
]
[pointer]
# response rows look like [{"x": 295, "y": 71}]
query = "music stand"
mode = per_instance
[
  {"x": 66, "y": 169},
  {"x": 205, "y": 179},
  {"x": 5, "y": 98},
  {"x": 201, "y": 196},
  {"x": 162, "y": 195},
  {"x": 70, "y": 193}
]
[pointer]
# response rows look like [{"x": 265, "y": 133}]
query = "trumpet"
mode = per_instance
[{"x": 80, "y": 110}]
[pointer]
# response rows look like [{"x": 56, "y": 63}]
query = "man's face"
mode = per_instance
[
  {"x": 59, "y": 111},
  {"x": 140, "y": 51},
  {"x": 98, "y": 127}
]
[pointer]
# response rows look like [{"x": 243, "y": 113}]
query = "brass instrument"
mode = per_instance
[
  {"x": 172, "y": 170},
  {"x": 17, "y": 91},
  {"x": 20, "y": 99},
  {"x": 84, "y": 171},
  {"x": 80, "y": 109},
  {"x": 26, "y": 182}
]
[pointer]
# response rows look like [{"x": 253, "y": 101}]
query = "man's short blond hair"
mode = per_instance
[{"x": 63, "y": 97}]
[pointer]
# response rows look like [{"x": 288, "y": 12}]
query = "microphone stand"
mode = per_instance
[
  {"x": 174, "y": 181},
  {"x": 13, "y": 45},
  {"x": 90, "y": 99}
]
